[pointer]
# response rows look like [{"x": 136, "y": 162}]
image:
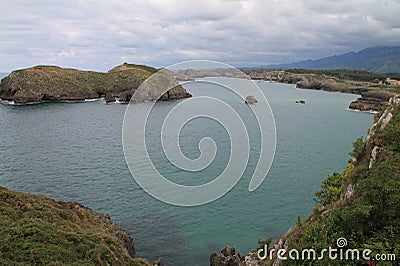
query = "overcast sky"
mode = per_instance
[{"x": 101, "y": 34}]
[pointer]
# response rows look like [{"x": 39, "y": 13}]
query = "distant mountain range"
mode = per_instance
[{"x": 382, "y": 60}]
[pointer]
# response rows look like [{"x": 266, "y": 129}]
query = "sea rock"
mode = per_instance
[
  {"x": 158, "y": 262},
  {"x": 125, "y": 97},
  {"x": 227, "y": 257},
  {"x": 300, "y": 101},
  {"x": 250, "y": 100},
  {"x": 109, "y": 98}
]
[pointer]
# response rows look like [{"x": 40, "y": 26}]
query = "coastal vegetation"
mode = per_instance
[
  {"x": 343, "y": 80},
  {"x": 37, "y": 230},
  {"x": 361, "y": 204},
  {"x": 374, "y": 89},
  {"x": 55, "y": 84}
]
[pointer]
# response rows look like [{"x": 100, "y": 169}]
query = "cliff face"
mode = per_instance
[
  {"x": 371, "y": 100},
  {"x": 361, "y": 204},
  {"x": 55, "y": 84},
  {"x": 36, "y": 230}
]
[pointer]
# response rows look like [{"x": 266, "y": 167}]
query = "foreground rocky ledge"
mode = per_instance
[
  {"x": 37, "y": 230},
  {"x": 56, "y": 84}
]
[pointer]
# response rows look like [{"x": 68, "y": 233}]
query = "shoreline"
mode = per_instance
[{"x": 370, "y": 100}]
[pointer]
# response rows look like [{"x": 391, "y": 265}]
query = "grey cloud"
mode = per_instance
[{"x": 100, "y": 34}]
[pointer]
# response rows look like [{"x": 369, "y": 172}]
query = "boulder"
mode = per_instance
[
  {"x": 227, "y": 257},
  {"x": 250, "y": 100},
  {"x": 109, "y": 98}
]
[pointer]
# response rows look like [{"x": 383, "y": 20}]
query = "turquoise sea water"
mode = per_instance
[{"x": 73, "y": 151}]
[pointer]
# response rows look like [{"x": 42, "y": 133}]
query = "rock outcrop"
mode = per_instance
[
  {"x": 227, "y": 257},
  {"x": 55, "y": 84},
  {"x": 371, "y": 100},
  {"x": 376, "y": 169},
  {"x": 46, "y": 231},
  {"x": 250, "y": 100},
  {"x": 300, "y": 101}
]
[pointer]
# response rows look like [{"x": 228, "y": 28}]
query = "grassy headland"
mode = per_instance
[
  {"x": 37, "y": 230},
  {"x": 55, "y": 84}
]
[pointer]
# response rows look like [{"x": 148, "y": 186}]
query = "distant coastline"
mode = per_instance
[{"x": 374, "y": 93}]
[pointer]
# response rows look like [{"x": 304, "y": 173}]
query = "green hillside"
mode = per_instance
[
  {"x": 55, "y": 84},
  {"x": 36, "y": 230},
  {"x": 361, "y": 204}
]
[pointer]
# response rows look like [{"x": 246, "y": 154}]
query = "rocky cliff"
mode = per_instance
[
  {"x": 359, "y": 207},
  {"x": 55, "y": 84},
  {"x": 36, "y": 230}
]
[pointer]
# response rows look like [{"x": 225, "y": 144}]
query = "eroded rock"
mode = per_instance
[{"x": 250, "y": 100}]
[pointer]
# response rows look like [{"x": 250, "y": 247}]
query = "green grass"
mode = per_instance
[
  {"x": 52, "y": 83},
  {"x": 36, "y": 230},
  {"x": 149, "y": 69},
  {"x": 370, "y": 218}
]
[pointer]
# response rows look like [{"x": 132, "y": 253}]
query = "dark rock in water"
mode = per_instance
[
  {"x": 158, "y": 262},
  {"x": 250, "y": 99},
  {"x": 109, "y": 98},
  {"x": 227, "y": 257},
  {"x": 300, "y": 101},
  {"x": 125, "y": 97}
]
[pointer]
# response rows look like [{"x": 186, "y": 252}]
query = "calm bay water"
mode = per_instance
[{"x": 73, "y": 151}]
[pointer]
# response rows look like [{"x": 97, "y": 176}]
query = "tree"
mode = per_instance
[
  {"x": 331, "y": 189},
  {"x": 358, "y": 147}
]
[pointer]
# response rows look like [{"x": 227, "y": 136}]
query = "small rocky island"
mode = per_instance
[
  {"x": 250, "y": 100},
  {"x": 56, "y": 84}
]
